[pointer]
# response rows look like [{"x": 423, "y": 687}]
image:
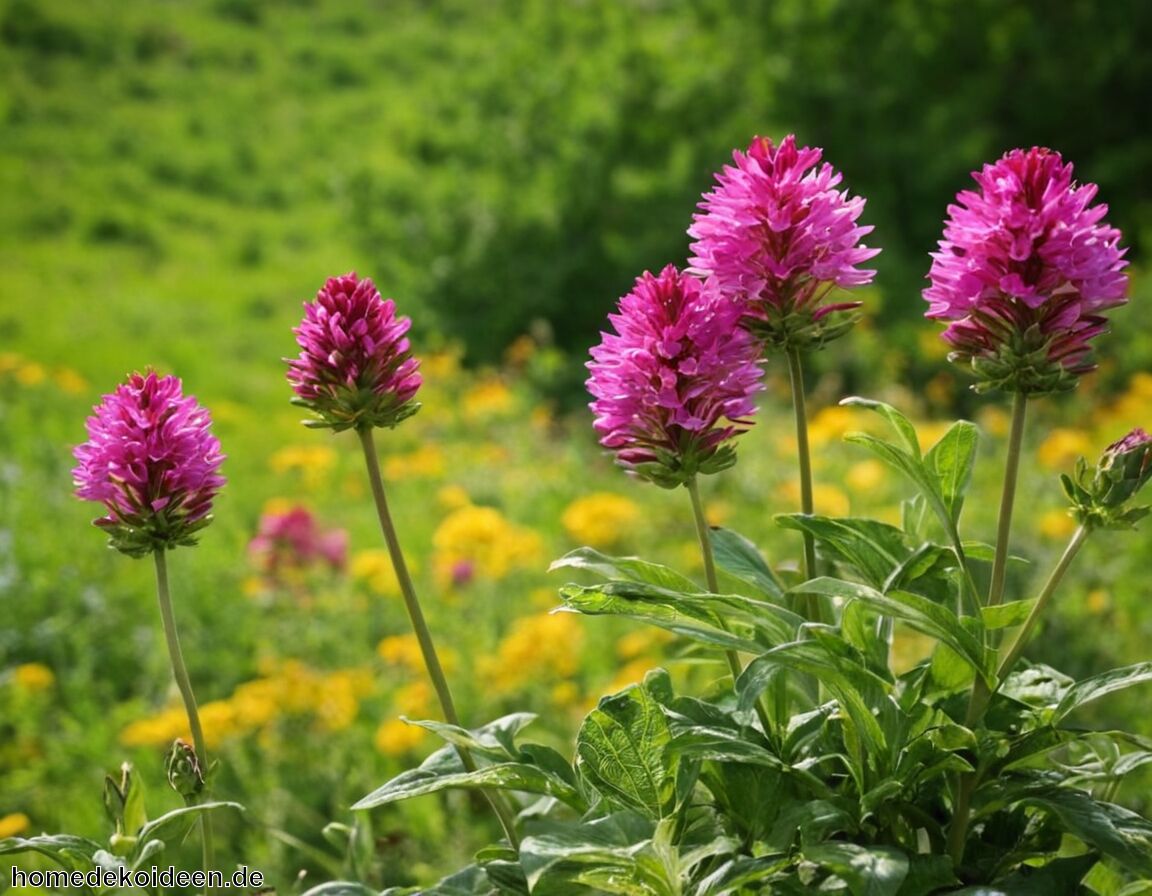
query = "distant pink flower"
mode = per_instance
[
  {"x": 676, "y": 381},
  {"x": 777, "y": 237},
  {"x": 356, "y": 369},
  {"x": 294, "y": 540},
  {"x": 151, "y": 460},
  {"x": 1026, "y": 267}
]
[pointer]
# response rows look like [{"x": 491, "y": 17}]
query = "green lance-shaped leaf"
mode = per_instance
[
  {"x": 702, "y": 616},
  {"x": 444, "y": 771},
  {"x": 564, "y": 849},
  {"x": 69, "y": 852},
  {"x": 1007, "y": 615},
  {"x": 496, "y": 739},
  {"x": 917, "y": 612},
  {"x": 1101, "y": 685},
  {"x": 872, "y": 548},
  {"x": 620, "y": 751},
  {"x": 905, "y": 431},
  {"x": 1115, "y": 831},
  {"x": 952, "y": 459},
  {"x": 630, "y": 569},
  {"x": 867, "y": 870},
  {"x": 738, "y": 558},
  {"x": 172, "y": 826}
]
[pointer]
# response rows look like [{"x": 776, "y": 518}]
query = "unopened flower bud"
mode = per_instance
[
  {"x": 183, "y": 769},
  {"x": 1100, "y": 496}
]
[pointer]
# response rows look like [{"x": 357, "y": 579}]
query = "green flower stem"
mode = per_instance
[
  {"x": 184, "y": 684},
  {"x": 812, "y": 608},
  {"x": 1021, "y": 638},
  {"x": 981, "y": 695},
  {"x": 714, "y": 586},
  {"x": 420, "y": 626},
  {"x": 1007, "y": 500}
]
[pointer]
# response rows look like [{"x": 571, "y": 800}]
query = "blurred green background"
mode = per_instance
[{"x": 178, "y": 177}]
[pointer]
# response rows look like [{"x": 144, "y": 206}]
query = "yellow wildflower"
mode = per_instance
[
  {"x": 629, "y": 674},
  {"x": 830, "y": 424},
  {"x": 1099, "y": 601},
  {"x": 30, "y": 374},
  {"x": 1057, "y": 524},
  {"x": 33, "y": 677},
  {"x": 312, "y": 462},
  {"x": 158, "y": 731},
  {"x": 994, "y": 420},
  {"x": 866, "y": 476},
  {"x": 396, "y": 737},
  {"x": 13, "y": 825},
  {"x": 545, "y": 645},
  {"x": 414, "y": 700},
  {"x": 1063, "y": 445},
  {"x": 70, "y": 382},
  {"x": 827, "y": 499},
  {"x": 452, "y": 497},
  {"x": 642, "y": 642},
  {"x": 485, "y": 542},
  {"x": 490, "y": 398},
  {"x": 929, "y": 432},
  {"x": 601, "y": 519},
  {"x": 374, "y": 568},
  {"x": 426, "y": 462}
]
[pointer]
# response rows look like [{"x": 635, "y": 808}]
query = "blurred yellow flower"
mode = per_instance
[
  {"x": 13, "y": 825},
  {"x": 520, "y": 351},
  {"x": 642, "y": 642},
  {"x": 1057, "y": 524},
  {"x": 994, "y": 420},
  {"x": 158, "y": 731},
  {"x": 395, "y": 737},
  {"x": 31, "y": 374},
  {"x": 629, "y": 674},
  {"x": 480, "y": 541},
  {"x": 373, "y": 567},
  {"x": 487, "y": 399},
  {"x": 70, "y": 382},
  {"x": 414, "y": 700},
  {"x": 929, "y": 432},
  {"x": 1098, "y": 601},
  {"x": 1063, "y": 445},
  {"x": 313, "y": 462},
  {"x": 426, "y": 462},
  {"x": 601, "y": 519},
  {"x": 545, "y": 645},
  {"x": 33, "y": 677},
  {"x": 442, "y": 366},
  {"x": 830, "y": 424},
  {"x": 827, "y": 499},
  {"x": 866, "y": 476},
  {"x": 452, "y": 497}
]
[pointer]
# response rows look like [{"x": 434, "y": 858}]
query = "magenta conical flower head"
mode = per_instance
[
  {"x": 778, "y": 237},
  {"x": 153, "y": 463},
  {"x": 676, "y": 382},
  {"x": 355, "y": 368},
  {"x": 1024, "y": 272}
]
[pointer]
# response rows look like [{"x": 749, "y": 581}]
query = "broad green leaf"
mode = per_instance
[
  {"x": 915, "y": 611},
  {"x": 701, "y": 616},
  {"x": 873, "y": 548},
  {"x": 172, "y": 826},
  {"x": 1117, "y": 832},
  {"x": 1007, "y": 615},
  {"x": 927, "y": 874},
  {"x": 855, "y": 688},
  {"x": 343, "y": 888},
  {"x": 631, "y": 569},
  {"x": 808, "y": 822},
  {"x": 502, "y": 865},
  {"x": 443, "y": 771},
  {"x": 867, "y": 870},
  {"x": 496, "y": 739},
  {"x": 614, "y": 839},
  {"x": 70, "y": 852},
  {"x": 903, "y": 426},
  {"x": 471, "y": 881},
  {"x": 739, "y": 558},
  {"x": 733, "y": 877},
  {"x": 1100, "y": 686},
  {"x": 620, "y": 751},
  {"x": 1038, "y": 686},
  {"x": 1060, "y": 877},
  {"x": 951, "y": 459}
]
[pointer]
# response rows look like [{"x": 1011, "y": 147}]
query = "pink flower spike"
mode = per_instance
[
  {"x": 778, "y": 237},
  {"x": 355, "y": 368},
  {"x": 676, "y": 381},
  {"x": 1024, "y": 272},
  {"x": 153, "y": 463}
]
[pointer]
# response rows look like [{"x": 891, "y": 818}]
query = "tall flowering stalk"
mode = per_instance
[
  {"x": 356, "y": 371},
  {"x": 154, "y": 464},
  {"x": 1023, "y": 275},
  {"x": 778, "y": 237},
  {"x": 673, "y": 387},
  {"x": 1024, "y": 271}
]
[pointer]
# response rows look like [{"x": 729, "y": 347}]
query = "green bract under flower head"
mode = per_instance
[
  {"x": 355, "y": 369},
  {"x": 1100, "y": 496}
]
